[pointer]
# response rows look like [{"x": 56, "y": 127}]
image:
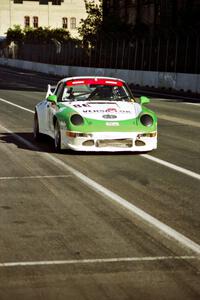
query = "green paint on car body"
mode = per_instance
[{"x": 93, "y": 125}]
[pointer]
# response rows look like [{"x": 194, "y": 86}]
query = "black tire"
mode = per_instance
[
  {"x": 57, "y": 137},
  {"x": 36, "y": 132}
]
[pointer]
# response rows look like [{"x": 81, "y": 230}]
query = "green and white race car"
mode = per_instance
[{"x": 95, "y": 114}]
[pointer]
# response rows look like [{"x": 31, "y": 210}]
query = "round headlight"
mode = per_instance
[
  {"x": 76, "y": 119},
  {"x": 146, "y": 120}
]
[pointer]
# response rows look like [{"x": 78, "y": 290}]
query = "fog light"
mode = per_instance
[
  {"x": 148, "y": 134},
  {"x": 71, "y": 134}
]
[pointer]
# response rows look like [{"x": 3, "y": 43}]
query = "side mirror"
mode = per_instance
[
  {"x": 144, "y": 100},
  {"x": 52, "y": 98}
]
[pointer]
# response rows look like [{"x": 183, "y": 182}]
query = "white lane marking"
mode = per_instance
[
  {"x": 172, "y": 166},
  {"x": 18, "y": 106},
  {"x": 179, "y": 102},
  {"x": 98, "y": 188},
  {"x": 134, "y": 209},
  {"x": 179, "y": 120},
  {"x": 34, "y": 177},
  {"x": 188, "y": 103},
  {"x": 96, "y": 260}
]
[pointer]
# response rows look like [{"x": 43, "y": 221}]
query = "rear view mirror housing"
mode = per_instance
[
  {"x": 52, "y": 98},
  {"x": 144, "y": 100}
]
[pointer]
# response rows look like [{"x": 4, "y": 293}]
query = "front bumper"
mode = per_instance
[{"x": 110, "y": 141}]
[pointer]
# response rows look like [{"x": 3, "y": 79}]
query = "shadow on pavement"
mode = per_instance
[{"x": 25, "y": 140}]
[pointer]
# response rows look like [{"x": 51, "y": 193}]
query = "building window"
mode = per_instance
[
  {"x": 44, "y": 2},
  {"x": 26, "y": 21},
  {"x": 73, "y": 23},
  {"x": 56, "y": 2},
  {"x": 65, "y": 23},
  {"x": 18, "y": 1},
  {"x": 35, "y": 22}
]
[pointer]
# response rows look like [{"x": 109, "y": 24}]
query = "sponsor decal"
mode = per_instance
[
  {"x": 111, "y": 110},
  {"x": 109, "y": 116},
  {"x": 112, "y": 123},
  {"x": 81, "y": 105},
  {"x": 104, "y": 111}
]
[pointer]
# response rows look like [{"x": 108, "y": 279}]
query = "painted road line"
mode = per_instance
[
  {"x": 152, "y": 158},
  {"x": 106, "y": 193},
  {"x": 196, "y": 104},
  {"x": 183, "y": 240},
  {"x": 96, "y": 261},
  {"x": 34, "y": 177},
  {"x": 18, "y": 106},
  {"x": 171, "y": 166},
  {"x": 177, "y": 102},
  {"x": 179, "y": 120}
]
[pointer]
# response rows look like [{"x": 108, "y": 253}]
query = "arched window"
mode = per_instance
[
  {"x": 65, "y": 23},
  {"x": 35, "y": 22},
  {"x": 26, "y": 21},
  {"x": 73, "y": 23}
]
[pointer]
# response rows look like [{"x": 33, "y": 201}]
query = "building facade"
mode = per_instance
[{"x": 42, "y": 13}]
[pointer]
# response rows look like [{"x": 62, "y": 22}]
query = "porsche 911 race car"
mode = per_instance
[{"x": 95, "y": 114}]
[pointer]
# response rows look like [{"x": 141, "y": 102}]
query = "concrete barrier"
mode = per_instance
[{"x": 175, "y": 81}]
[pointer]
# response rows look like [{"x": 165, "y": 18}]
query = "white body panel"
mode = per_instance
[{"x": 111, "y": 137}]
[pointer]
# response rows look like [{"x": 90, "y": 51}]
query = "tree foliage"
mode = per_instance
[
  {"x": 90, "y": 26},
  {"x": 16, "y": 34},
  {"x": 37, "y": 35}
]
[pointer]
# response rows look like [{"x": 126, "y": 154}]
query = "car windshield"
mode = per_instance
[{"x": 97, "y": 90}]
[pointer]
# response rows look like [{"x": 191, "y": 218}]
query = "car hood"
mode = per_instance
[{"x": 105, "y": 110}]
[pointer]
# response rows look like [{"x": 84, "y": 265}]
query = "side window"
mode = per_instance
[
  {"x": 73, "y": 23},
  {"x": 59, "y": 91},
  {"x": 35, "y": 22},
  {"x": 65, "y": 23},
  {"x": 26, "y": 21}
]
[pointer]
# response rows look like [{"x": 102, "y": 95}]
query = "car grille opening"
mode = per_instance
[
  {"x": 119, "y": 143},
  {"x": 139, "y": 143},
  {"x": 88, "y": 143}
]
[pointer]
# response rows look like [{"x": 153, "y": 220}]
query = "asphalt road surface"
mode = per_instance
[{"x": 97, "y": 226}]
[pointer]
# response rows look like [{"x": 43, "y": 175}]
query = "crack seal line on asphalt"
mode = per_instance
[
  {"x": 96, "y": 260},
  {"x": 147, "y": 156},
  {"x": 106, "y": 193}
]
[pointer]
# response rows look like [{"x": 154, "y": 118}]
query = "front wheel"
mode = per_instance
[{"x": 57, "y": 137}]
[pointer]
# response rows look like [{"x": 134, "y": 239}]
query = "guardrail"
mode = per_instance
[{"x": 160, "y": 80}]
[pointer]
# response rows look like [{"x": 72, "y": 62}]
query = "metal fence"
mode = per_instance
[{"x": 157, "y": 54}]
